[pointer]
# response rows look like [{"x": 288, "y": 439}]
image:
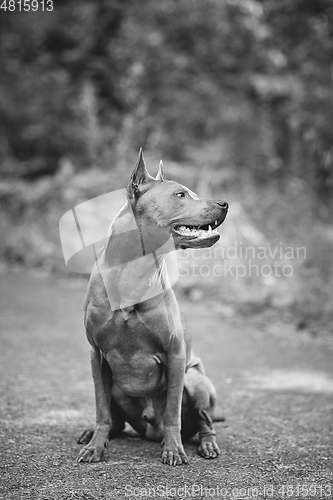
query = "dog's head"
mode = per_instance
[{"x": 165, "y": 207}]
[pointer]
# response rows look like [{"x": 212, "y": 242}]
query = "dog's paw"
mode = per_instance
[
  {"x": 174, "y": 457},
  {"x": 91, "y": 453},
  {"x": 86, "y": 436},
  {"x": 208, "y": 447}
]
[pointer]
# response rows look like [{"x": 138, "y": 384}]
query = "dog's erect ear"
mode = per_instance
[
  {"x": 139, "y": 177},
  {"x": 159, "y": 176}
]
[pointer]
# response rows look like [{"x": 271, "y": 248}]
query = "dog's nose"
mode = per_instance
[{"x": 223, "y": 204}]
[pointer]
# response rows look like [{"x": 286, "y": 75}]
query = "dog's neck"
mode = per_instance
[{"x": 131, "y": 272}]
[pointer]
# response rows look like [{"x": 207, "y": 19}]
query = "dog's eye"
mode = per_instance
[{"x": 181, "y": 194}]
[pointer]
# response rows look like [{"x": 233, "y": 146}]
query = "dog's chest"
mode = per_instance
[{"x": 137, "y": 373}]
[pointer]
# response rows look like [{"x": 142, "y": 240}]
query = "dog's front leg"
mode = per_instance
[
  {"x": 94, "y": 450},
  {"x": 173, "y": 451}
]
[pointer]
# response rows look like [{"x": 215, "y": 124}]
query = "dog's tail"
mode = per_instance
[
  {"x": 218, "y": 418},
  {"x": 218, "y": 415}
]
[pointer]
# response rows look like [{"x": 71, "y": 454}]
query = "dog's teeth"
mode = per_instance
[
  {"x": 209, "y": 229},
  {"x": 216, "y": 223}
]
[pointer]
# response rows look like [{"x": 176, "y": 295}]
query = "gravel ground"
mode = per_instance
[{"x": 275, "y": 389}]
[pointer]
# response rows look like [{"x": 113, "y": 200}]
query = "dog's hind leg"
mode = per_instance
[
  {"x": 94, "y": 450},
  {"x": 202, "y": 399}
]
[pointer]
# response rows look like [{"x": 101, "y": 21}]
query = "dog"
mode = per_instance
[{"x": 143, "y": 368}]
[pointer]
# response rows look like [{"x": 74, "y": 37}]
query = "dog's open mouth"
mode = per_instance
[{"x": 204, "y": 231}]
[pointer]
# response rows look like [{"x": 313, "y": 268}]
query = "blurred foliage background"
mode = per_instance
[{"x": 236, "y": 96}]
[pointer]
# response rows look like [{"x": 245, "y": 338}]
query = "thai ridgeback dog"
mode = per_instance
[{"x": 143, "y": 368}]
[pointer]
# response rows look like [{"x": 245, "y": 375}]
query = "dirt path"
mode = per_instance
[{"x": 275, "y": 389}]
